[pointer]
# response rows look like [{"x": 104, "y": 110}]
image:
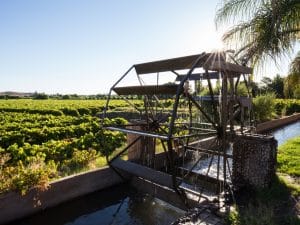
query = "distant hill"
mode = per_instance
[{"x": 16, "y": 94}]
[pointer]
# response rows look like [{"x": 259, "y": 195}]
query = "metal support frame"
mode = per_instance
[{"x": 223, "y": 116}]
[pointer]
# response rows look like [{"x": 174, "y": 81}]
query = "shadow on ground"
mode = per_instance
[{"x": 278, "y": 205}]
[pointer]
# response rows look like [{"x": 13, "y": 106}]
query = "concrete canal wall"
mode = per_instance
[
  {"x": 273, "y": 124},
  {"x": 13, "y": 206}
]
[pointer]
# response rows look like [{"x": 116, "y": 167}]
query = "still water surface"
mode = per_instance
[
  {"x": 287, "y": 132},
  {"x": 119, "y": 205}
]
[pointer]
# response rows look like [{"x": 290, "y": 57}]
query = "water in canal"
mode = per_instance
[
  {"x": 119, "y": 205},
  {"x": 287, "y": 132},
  {"x": 281, "y": 134}
]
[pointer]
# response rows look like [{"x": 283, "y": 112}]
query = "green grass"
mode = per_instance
[
  {"x": 269, "y": 206},
  {"x": 289, "y": 157},
  {"x": 292, "y": 183}
]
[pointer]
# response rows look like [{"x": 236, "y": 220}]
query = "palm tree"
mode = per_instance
[
  {"x": 266, "y": 28},
  {"x": 292, "y": 81},
  {"x": 295, "y": 64}
]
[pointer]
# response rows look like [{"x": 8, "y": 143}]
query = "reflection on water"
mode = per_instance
[
  {"x": 119, "y": 205},
  {"x": 287, "y": 132}
]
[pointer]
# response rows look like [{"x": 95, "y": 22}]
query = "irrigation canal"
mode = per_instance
[
  {"x": 287, "y": 132},
  {"x": 122, "y": 205}
]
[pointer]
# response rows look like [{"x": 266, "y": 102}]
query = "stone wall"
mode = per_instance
[{"x": 254, "y": 160}]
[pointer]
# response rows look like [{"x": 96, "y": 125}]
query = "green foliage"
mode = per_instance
[
  {"x": 291, "y": 84},
  {"x": 295, "y": 64},
  {"x": 242, "y": 90},
  {"x": 205, "y": 91},
  {"x": 40, "y": 96},
  {"x": 275, "y": 85},
  {"x": 80, "y": 159},
  {"x": 110, "y": 140},
  {"x": 232, "y": 218},
  {"x": 36, "y": 145},
  {"x": 66, "y": 97},
  {"x": 264, "y": 107},
  {"x": 296, "y": 92},
  {"x": 84, "y": 111},
  {"x": 257, "y": 214},
  {"x": 287, "y": 106},
  {"x": 262, "y": 29},
  {"x": 168, "y": 103},
  {"x": 61, "y": 107},
  {"x": 35, "y": 173},
  {"x": 289, "y": 157},
  {"x": 70, "y": 112}
]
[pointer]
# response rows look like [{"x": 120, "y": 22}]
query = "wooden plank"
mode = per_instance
[
  {"x": 144, "y": 172},
  {"x": 227, "y": 67},
  {"x": 147, "y": 90},
  {"x": 180, "y": 63},
  {"x": 198, "y": 76}
]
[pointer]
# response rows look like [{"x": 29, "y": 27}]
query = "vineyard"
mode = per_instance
[
  {"x": 62, "y": 107},
  {"x": 41, "y": 140}
]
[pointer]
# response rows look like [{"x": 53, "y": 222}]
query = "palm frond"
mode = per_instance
[
  {"x": 270, "y": 33},
  {"x": 295, "y": 64},
  {"x": 230, "y": 10}
]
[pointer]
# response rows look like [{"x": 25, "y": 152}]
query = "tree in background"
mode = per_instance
[
  {"x": 37, "y": 95},
  {"x": 274, "y": 85},
  {"x": 295, "y": 64},
  {"x": 264, "y": 107},
  {"x": 266, "y": 28},
  {"x": 292, "y": 81}
]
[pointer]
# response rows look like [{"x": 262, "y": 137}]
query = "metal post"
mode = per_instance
[
  {"x": 178, "y": 93},
  {"x": 224, "y": 114},
  {"x": 109, "y": 94}
]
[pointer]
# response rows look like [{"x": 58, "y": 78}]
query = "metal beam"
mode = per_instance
[
  {"x": 147, "y": 90},
  {"x": 180, "y": 63},
  {"x": 131, "y": 131},
  {"x": 218, "y": 65},
  {"x": 144, "y": 172}
]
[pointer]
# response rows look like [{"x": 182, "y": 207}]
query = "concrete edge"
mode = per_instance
[
  {"x": 272, "y": 124},
  {"x": 13, "y": 206}
]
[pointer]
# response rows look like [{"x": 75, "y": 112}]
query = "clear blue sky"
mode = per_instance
[{"x": 83, "y": 46}]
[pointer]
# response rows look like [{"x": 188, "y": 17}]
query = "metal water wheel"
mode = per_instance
[{"x": 180, "y": 131}]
